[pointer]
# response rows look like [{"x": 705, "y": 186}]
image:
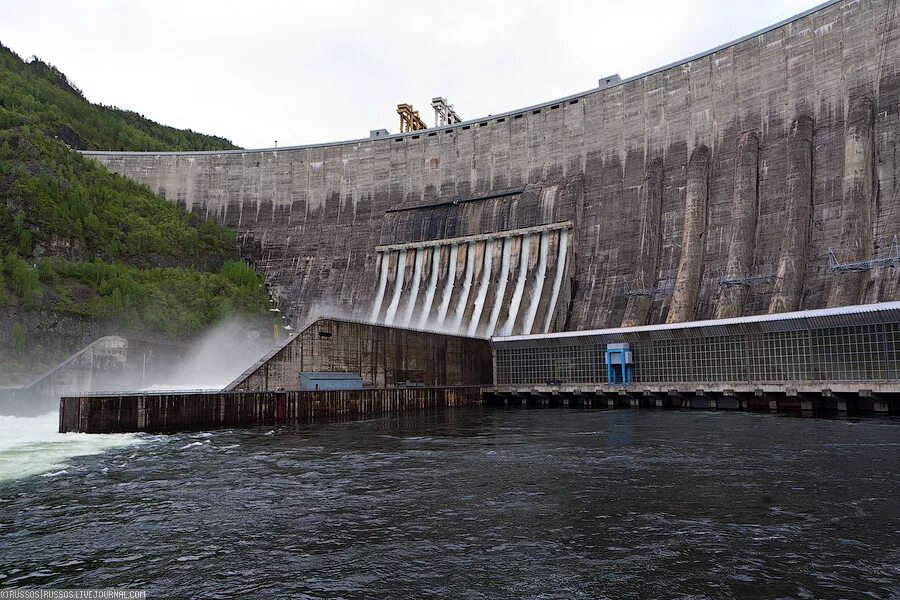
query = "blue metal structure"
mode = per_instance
[
  {"x": 619, "y": 363},
  {"x": 319, "y": 380}
]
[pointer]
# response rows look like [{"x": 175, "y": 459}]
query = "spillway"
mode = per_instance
[
  {"x": 398, "y": 288},
  {"x": 473, "y": 277},
  {"x": 482, "y": 290},
  {"x": 432, "y": 286}
]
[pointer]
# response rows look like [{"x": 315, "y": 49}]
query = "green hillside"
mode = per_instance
[
  {"x": 85, "y": 252},
  {"x": 36, "y": 93}
]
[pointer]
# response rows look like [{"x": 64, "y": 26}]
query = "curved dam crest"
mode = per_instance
[{"x": 710, "y": 188}]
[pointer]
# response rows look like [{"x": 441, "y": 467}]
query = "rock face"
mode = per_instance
[{"x": 638, "y": 203}]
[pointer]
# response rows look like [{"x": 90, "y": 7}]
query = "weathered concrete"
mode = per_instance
[
  {"x": 192, "y": 411},
  {"x": 858, "y": 204},
  {"x": 312, "y": 217},
  {"x": 743, "y": 227},
  {"x": 637, "y": 311},
  {"x": 687, "y": 281},
  {"x": 792, "y": 261},
  {"x": 382, "y": 356}
]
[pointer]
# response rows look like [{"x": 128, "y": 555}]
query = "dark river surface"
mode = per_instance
[{"x": 472, "y": 503}]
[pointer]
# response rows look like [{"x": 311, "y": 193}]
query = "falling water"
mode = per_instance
[
  {"x": 482, "y": 287},
  {"x": 520, "y": 287},
  {"x": 398, "y": 288},
  {"x": 448, "y": 287},
  {"x": 414, "y": 291},
  {"x": 501, "y": 287},
  {"x": 538, "y": 285},
  {"x": 466, "y": 288},
  {"x": 557, "y": 281},
  {"x": 432, "y": 285},
  {"x": 382, "y": 284}
]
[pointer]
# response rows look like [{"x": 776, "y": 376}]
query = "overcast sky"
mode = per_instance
[{"x": 305, "y": 72}]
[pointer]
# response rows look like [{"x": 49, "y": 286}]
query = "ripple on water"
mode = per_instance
[{"x": 508, "y": 504}]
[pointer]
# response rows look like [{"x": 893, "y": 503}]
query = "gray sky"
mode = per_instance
[{"x": 306, "y": 72}]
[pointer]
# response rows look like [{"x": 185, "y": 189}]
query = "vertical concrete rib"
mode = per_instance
[
  {"x": 537, "y": 286},
  {"x": 481, "y": 298},
  {"x": 399, "y": 277},
  {"x": 416, "y": 283},
  {"x": 383, "y": 262},
  {"x": 447, "y": 294},
  {"x": 476, "y": 260},
  {"x": 531, "y": 264},
  {"x": 743, "y": 225},
  {"x": 858, "y": 204},
  {"x": 425, "y": 311},
  {"x": 637, "y": 308},
  {"x": 789, "y": 278},
  {"x": 460, "y": 288},
  {"x": 552, "y": 262},
  {"x": 501, "y": 282},
  {"x": 523, "y": 245},
  {"x": 561, "y": 255},
  {"x": 690, "y": 268}
]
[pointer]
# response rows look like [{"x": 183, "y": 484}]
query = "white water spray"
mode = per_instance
[
  {"x": 482, "y": 287},
  {"x": 398, "y": 289},
  {"x": 416, "y": 283},
  {"x": 448, "y": 287},
  {"x": 31, "y": 446},
  {"x": 501, "y": 287},
  {"x": 557, "y": 281},
  {"x": 520, "y": 286},
  {"x": 538, "y": 286},
  {"x": 432, "y": 285},
  {"x": 466, "y": 288},
  {"x": 382, "y": 285}
]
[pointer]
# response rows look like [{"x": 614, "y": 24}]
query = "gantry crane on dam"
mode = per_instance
[{"x": 444, "y": 114}]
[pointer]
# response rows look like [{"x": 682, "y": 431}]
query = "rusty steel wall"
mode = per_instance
[
  {"x": 382, "y": 356},
  {"x": 192, "y": 411},
  {"x": 744, "y": 165}
]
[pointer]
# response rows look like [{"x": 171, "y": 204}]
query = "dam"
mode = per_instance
[
  {"x": 756, "y": 178},
  {"x": 717, "y": 233}
]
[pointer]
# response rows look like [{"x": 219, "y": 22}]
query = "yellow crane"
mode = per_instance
[{"x": 409, "y": 119}]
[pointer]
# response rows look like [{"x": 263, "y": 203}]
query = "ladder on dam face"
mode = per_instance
[
  {"x": 891, "y": 260},
  {"x": 646, "y": 292},
  {"x": 746, "y": 280}
]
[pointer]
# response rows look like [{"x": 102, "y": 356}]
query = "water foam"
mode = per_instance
[
  {"x": 501, "y": 287},
  {"x": 398, "y": 288},
  {"x": 414, "y": 290},
  {"x": 32, "y": 446},
  {"x": 432, "y": 286},
  {"x": 538, "y": 286},
  {"x": 466, "y": 288},
  {"x": 557, "y": 281},
  {"x": 382, "y": 285},
  {"x": 482, "y": 288},
  {"x": 448, "y": 287},
  {"x": 520, "y": 286}
]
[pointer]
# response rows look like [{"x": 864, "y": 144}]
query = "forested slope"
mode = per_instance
[{"x": 85, "y": 252}]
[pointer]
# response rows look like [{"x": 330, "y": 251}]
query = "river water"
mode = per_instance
[{"x": 466, "y": 503}]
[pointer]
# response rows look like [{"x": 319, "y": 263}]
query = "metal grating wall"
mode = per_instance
[{"x": 841, "y": 353}]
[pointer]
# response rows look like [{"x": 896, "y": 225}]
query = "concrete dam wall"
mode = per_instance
[{"x": 710, "y": 188}]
